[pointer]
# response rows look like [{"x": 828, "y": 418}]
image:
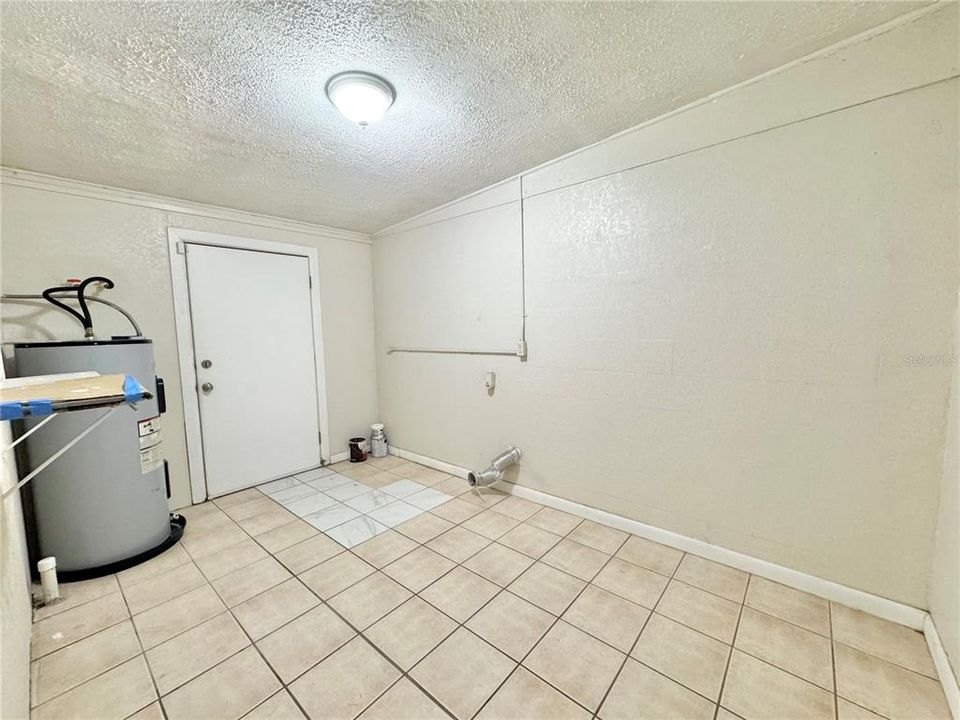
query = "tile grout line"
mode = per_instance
[
  {"x": 540, "y": 559},
  {"x": 357, "y": 633},
  {"x": 629, "y": 654},
  {"x": 458, "y": 624},
  {"x": 492, "y": 507},
  {"x": 557, "y": 619},
  {"x": 34, "y": 621},
  {"x": 478, "y": 609},
  {"x": 143, "y": 654},
  {"x": 226, "y": 611},
  {"x": 733, "y": 641},
  {"x": 360, "y": 633},
  {"x": 833, "y": 662},
  {"x": 79, "y": 639},
  {"x": 322, "y": 601},
  {"x": 253, "y": 644},
  {"x": 501, "y": 589},
  {"x": 504, "y": 588},
  {"x": 99, "y": 674}
]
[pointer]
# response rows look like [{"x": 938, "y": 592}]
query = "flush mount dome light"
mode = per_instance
[{"x": 363, "y": 98}]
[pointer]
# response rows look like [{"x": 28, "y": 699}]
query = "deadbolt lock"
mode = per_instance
[{"x": 206, "y": 364}]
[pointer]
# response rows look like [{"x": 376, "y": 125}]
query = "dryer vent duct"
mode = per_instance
[{"x": 483, "y": 478}]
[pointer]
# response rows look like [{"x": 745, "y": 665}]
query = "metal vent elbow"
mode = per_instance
[{"x": 494, "y": 473}]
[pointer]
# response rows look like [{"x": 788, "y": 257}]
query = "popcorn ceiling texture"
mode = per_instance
[{"x": 223, "y": 103}]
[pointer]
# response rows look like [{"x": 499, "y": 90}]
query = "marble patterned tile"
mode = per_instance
[
  {"x": 348, "y": 490},
  {"x": 402, "y": 488},
  {"x": 395, "y": 513},
  {"x": 310, "y": 504},
  {"x": 356, "y": 531},
  {"x": 427, "y": 499},
  {"x": 369, "y": 501},
  {"x": 288, "y": 495},
  {"x": 328, "y": 481},
  {"x": 331, "y": 517},
  {"x": 314, "y": 474},
  {"x": 274, "y": 486}
]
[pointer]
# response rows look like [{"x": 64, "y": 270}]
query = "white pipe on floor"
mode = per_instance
[{"x": 48, "y": 579}]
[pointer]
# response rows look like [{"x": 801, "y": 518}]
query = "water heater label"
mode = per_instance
[{"x": 151, "y": 444}]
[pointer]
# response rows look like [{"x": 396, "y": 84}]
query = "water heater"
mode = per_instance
[
  {"x": 104, "y": 502},
  {"x": 103, "y": 506}
]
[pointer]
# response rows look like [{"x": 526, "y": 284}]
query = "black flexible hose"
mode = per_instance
[
  {"x": 48, "y": 296},
  {"x": 85, "y": 319},
  {"x": 107, "y": 283}
]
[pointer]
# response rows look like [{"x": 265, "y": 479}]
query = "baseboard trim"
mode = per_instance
[
  {"x": 430, "y": 462},
  {"x": 942, "y": 663},
  {"x": 858, "y": 599},
  {"x": 339, "y": 457},
  {"x": 835, "y": 592}
]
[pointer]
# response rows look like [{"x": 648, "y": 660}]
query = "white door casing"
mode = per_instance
[{"x": 253, "y": 309}]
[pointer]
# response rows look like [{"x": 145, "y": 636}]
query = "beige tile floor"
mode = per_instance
[{"x": 500, "y": 610}]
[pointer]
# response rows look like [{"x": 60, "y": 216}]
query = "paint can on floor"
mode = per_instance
[
  {"x": 358, "y": 449},
  {"x": 378, "y": 441}
]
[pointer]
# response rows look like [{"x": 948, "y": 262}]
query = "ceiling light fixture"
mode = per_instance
[{"x": 363, "y": 98}]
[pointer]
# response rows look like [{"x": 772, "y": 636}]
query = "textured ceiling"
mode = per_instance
[{"x": 223, "y": 103}]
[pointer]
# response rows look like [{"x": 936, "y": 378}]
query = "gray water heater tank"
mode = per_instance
[{"x": 105, "y": 501}]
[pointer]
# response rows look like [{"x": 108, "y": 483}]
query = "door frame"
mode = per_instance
[{"x": 177, "y": 239}]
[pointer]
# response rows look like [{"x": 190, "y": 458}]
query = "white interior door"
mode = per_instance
[{"x": 256, "y": 373}]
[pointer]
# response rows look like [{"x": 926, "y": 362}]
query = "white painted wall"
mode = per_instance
[
  {"x": 945, "y": 580},
  {"x": 720, "y": 307},
  {"x": 55, "y": 229},
  {"x": 471, "y": 297}
]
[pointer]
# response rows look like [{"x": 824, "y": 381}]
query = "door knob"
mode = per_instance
[{"x": 207, "y": 387}]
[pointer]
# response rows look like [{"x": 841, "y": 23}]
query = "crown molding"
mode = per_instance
[{"x": 50, "y": 183}]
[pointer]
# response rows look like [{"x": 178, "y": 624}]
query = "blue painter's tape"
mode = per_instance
[
  {"x": 132, "y": 390},
  {"x": 11, "y": 410},
  {"x": 40, "y": 407}
]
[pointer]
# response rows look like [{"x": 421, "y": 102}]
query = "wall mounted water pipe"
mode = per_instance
[{"x": 494, "y": 473}]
